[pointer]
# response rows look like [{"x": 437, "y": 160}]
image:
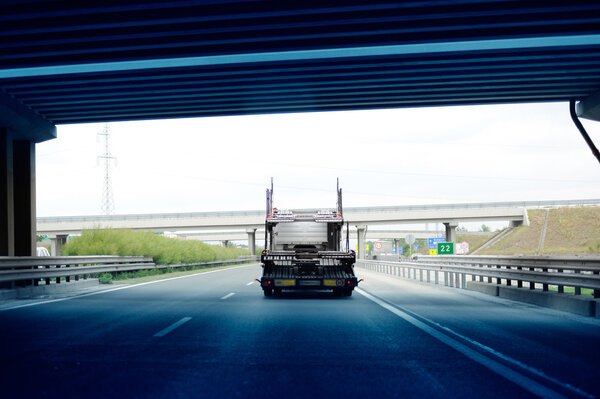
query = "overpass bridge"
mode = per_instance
[
  {"x": 248, "y": 222},
  {"x": 240, "y": 235},
  {"x": 75, "y": 62},
  {"x": 384, "y": 215},
  {"x": 58, "y": 228}
]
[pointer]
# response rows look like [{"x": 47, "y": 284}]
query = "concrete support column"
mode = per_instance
[
  {"x": 56, "y": 244},
  {"x": 361, "y": 232},
  {"x": 24, "y": 197},
  {"x": 20, "y": 129},
  {"x": 17, "y": 196},
  {"x": 7, "y": 211},
  {"x": 396, "y": 246},
  {"x": 224, "y": 243},
  {"x": 251, "y": 240},
  {"x": 451, "y": 231}
]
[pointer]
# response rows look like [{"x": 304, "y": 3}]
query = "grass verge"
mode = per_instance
[
  {"x": 570, "y": 231},
  {"x": 163, "y": 250}
]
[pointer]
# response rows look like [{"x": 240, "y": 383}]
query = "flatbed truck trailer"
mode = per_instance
[{"x": 303, "y": 251}]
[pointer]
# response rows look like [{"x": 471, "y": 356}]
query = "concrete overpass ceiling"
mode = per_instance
[{"x": 73, "y": 62}]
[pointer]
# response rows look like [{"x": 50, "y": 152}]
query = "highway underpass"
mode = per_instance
[
  {"x": 66, "y": 62},
  {"x": 215, "y": 335}
]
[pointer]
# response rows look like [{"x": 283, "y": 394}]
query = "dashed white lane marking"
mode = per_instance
[
  {"x": 250, "y": 283},
  {"x": 514, "y": 376},
  {"x": 119, "y": 288},
  {"x": 173, "y": 326},
  {"x": 228, "y": 295}
]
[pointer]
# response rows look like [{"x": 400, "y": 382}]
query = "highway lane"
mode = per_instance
[
  {"x": 213, "y": 335},
  {"x": 557, "y": 343}
]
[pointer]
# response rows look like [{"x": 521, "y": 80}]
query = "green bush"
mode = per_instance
[
  {"x": 105, "y": 278},
  {"x": 163, "y": 250}
]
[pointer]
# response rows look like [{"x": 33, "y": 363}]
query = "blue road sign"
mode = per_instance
[
  {"x": 400, "y": 250},
  {"x": 433, "y": 242},
  {"x": 416, "y": 247}
]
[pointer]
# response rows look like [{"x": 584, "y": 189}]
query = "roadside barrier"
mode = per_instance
[
  {"x": 539, "y": 280},
  {"x": 28, "y": 270}
]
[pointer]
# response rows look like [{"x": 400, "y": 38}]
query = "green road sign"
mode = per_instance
[{"x": 445, "y": 248}]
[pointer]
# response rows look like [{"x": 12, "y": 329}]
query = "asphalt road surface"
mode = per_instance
[{"x": 214, "y": 335}]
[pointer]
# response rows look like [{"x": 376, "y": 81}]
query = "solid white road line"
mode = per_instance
[
  {"x": 119, "y": 288},
  {"x": 514, "y": 376},
  {"x": 173, "y": 326},
  {"x": 228, "y": 295}
]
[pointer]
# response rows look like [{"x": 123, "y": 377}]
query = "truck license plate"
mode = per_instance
[{"x": 309, "y": 282}]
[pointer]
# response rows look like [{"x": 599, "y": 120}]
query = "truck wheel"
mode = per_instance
[
  {"x": 348, "y": 292},
  {"x": 337, "y": 292},
  {"x": 268, "y": 291}
]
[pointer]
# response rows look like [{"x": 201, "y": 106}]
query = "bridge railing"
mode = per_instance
[
  {"x": 533, "y": 272},
  {"x": 44, "y": 269},
  {"x": 347, "y": 210}
]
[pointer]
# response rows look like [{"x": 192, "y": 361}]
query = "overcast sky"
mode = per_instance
[{"x": 384, "y": 157}]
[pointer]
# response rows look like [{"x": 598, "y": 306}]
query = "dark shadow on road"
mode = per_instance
[{"x": 306, "y": 294}]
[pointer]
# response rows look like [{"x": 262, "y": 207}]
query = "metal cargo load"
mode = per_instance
[{"x": 303, "y": 250}]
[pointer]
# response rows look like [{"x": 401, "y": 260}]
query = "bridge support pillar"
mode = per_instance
[
  {"x": 224, "y": 243},
  {"x": 396, "y": 246},
  {"x": 361, "y": 232},
  {"x": 7, "y": 221},
  {"x": 451, "y": 231},
  {"x": 17, "y": 196},
  {"x": 56, "y": 244},
  {"x": 20, "y": 129},
  {"x": 251, "y": 240}
]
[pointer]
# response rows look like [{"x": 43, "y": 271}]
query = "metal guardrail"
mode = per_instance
[
  {"x": 43, "y": 269},
  {"x": 535, "y": 272}
]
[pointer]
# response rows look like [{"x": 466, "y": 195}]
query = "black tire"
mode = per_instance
[
  {"x": 337, "y": 292},
  {"x": 348, "y": 292},
  {"x": 268, "y": 291}
]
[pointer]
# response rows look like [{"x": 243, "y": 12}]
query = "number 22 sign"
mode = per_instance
[{"x": 445, "y": 248}]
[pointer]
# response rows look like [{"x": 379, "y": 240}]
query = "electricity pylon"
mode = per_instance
[{"x": 108, "y": 203}]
